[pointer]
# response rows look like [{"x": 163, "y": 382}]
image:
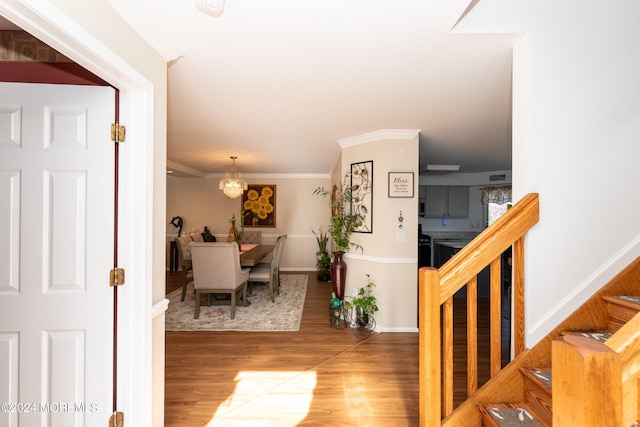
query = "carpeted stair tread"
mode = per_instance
[
  {"x": 537, "y": 393},
  {"x": 507, "y": 415},
  {"x": 542, "y": 376},
  {"x": 601, "y": 335}
]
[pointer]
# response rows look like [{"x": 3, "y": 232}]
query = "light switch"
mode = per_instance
[{"x": 401, "y": 237}]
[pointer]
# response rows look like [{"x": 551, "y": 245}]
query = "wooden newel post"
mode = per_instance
[
  {"x": 429, "y": 337},
  {"x": 587, "y": 383}
]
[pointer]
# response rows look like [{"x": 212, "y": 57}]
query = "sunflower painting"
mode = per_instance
[{"x": 259, "y": 205}]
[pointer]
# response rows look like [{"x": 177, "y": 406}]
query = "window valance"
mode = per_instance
[{"x": 500, "y": 194}]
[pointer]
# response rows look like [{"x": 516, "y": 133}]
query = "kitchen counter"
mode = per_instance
[
  {"x": 457, "y": 238},
  {"x": 454, "y": 244},
  {"x": 445, "y": 249},
  {"x": 451, "y": 235}
]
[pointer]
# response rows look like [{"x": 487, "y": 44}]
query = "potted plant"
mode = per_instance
[
  {"x": 323, "y": 261},
  {"x": 364, "y": 304},
  {"x": 344, "y": 221},
  {"x": 235, "y": 235}
]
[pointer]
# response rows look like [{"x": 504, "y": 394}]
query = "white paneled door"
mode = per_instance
[{"x": 56, "y": 251}]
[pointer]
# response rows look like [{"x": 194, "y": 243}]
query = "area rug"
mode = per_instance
[{"x": 261, "y": 315}]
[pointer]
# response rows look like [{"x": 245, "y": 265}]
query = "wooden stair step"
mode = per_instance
[
  {"x": 537, "y": 393},
  {"x": 508, "y": 414},
  {"x": 621, "y": 309},
  {"x": 631, "y": 301}
]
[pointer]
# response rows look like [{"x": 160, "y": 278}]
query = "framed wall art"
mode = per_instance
[
  {"x": 259, "y": 205},
  {"x": 362, "y": 193},
  {"x": 401, "y": 184}
]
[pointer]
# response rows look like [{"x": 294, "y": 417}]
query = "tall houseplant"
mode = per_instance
[
  {"x": 323, "y": 261},
  {"x": 344, "y": 221}
]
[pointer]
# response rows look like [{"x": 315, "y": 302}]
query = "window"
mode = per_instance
[
  {"x": 495, "y": 211},
  {"x": 497, "y": 200}
]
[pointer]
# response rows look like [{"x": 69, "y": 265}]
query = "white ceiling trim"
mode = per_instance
[
  {"x": 379, "y": 135},
  {"x": 274, "y": 175},
  {"x": 177, "y": 167}
]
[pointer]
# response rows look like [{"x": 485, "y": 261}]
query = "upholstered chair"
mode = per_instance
[
  {"x": 270, "y": 274},
  {"x": 278, "y": 253},
  {"x": 252, "y": 237},
  {"x": 184, "y": 258},
  {"x": 216, "y": 270}
]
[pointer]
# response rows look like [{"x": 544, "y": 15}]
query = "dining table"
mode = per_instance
[{"x": 252, "y": 254}]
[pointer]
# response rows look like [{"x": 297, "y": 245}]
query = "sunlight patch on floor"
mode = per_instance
[
  {"x": 267, "y": 398},
  {"x": 355, "y": 395}
]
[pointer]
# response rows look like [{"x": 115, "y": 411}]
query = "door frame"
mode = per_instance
[{"x": 137, "y": 200}]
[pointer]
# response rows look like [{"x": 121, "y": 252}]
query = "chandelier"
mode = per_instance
[{"x": 232, "y": 185}]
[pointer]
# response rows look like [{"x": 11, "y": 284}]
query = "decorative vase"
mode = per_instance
[
  {"x": 231, "y": 235},
  {"x": 361, "y": 317},
  {"x": 338, "y": 274},
  {"x": 334, "y": 309},
  {"x": 235, "y": 235},
  {"x": 207, "y": 236}
]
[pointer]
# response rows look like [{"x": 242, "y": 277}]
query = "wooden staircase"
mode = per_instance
[
  {"x": 536, "y": 408},
  {"x": 600, "y": 370}
]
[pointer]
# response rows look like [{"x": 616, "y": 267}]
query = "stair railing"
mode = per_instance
[{"x": 436, "y": 290}]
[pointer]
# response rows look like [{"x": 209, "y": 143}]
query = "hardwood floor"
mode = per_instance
[{"x": 313, "y": 377}]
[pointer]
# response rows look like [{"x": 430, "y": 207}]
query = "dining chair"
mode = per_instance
[
  {"x": 252, "y": 237},
  {"x": 184, "y": 259},
  {"x": 270, "y": 274},
  {"x": 278, "y": 253},
  {"x": 216, "y": 270}
]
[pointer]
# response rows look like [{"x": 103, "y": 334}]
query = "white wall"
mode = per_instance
[
  {"x": 200, "y": 203},
  {"x": 576, "y": 132},
  {"x": 391, "y": 263}
]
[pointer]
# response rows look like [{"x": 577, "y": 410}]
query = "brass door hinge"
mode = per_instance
[
  {"x": 116, "y": 420},
  {"x": 118, "y": 132},
  {"x": 116, "y": 277}
]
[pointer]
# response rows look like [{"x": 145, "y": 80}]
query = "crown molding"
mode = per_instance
[
  {"x": 379, "y": 135},
  {"x": 186, "y": 171},
  {"x": 182, "y": 169},
  {"x": 274, "y": 175}
]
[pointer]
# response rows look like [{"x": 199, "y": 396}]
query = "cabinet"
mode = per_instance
[
  {"x": 446, "y": 201},
  {"x": 422, "y": 197}
]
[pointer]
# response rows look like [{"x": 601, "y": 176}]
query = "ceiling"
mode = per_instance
[{"x": 278, "y": 83}]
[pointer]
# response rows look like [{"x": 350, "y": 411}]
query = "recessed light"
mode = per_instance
[
  {"x": 443, "y": 167},
  {"x": 210, "y": 7}
]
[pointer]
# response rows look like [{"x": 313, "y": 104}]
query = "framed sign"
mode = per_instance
[
  {"x": 362, "y": 193},
  {"x": 259, "y": 205},
  {"x": 401, "y": 184}
]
